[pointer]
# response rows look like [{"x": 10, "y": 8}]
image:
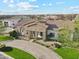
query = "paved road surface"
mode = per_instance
[{"x": 40, "y": 52}]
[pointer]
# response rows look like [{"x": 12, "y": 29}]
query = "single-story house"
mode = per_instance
[
  {"x": 32, "y": 28},
  {"x": 44, "y": 29}
]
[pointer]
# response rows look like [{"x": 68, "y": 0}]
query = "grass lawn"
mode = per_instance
[
  {"x": 4, "y": 38},
  {"x": 68, "y": 53},
  {"x": 19, "y": 54}
]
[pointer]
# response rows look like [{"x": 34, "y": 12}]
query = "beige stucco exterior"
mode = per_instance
[{"x": 33, "y": 29}]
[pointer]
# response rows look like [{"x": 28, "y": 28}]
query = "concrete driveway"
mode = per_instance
[{"x": 40, "y": 52}]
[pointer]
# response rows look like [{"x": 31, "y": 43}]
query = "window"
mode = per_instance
[{"x": 41, "y": 33}]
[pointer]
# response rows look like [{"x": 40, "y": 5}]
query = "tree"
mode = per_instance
[
  {"x": 76, "y": 29},
  {"x": 64, "y": 35},
  {"x": 14, "y": 34}
]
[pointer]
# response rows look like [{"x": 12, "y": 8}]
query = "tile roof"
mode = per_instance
[{"x": 51, "y": 26}]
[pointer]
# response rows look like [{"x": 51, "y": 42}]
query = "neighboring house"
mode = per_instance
[
  {"x": 10, "y": 22},
  {"x": 8, "y": 25}
]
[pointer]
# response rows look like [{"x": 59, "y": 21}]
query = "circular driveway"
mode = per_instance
[{"x": 40, "y": 52}]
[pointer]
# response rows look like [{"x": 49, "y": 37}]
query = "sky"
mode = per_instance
[{"x": 39, "y": 7}]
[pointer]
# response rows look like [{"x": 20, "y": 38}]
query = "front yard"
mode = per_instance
[
  {"x": 19, "y": 54},
  {"x": 68, "y": 53},
  {"x": 4, "y": 38}
]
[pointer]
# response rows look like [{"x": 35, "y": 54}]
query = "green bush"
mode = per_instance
[
  {"x": 14, "y": 34},
  {"x": 64, "y": 35},
  {"x": 2, "y": 46},
  {"x": 76, "y": 30},
  {"x": 57, "y": 45},
  {"x": 76, "y": 34},
  {"x": 71, "y": 44}
]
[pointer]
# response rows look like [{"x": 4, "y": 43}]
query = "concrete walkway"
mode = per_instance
[{"x": 40, "y": 52}]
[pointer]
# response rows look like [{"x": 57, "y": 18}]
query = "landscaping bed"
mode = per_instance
[{"x": 68, "y": 53}]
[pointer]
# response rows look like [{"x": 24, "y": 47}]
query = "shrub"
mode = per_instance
[
  {"x": 2, "y": 46},
  {"x": 64, "y": 35},
  {"x": 76, "y": 30},
  {"x": 71, "y": 44},
  {"x": 42, "y": 44},
  {"x": 14, "y": 34},
  {"x": 57, "y": 45}
]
